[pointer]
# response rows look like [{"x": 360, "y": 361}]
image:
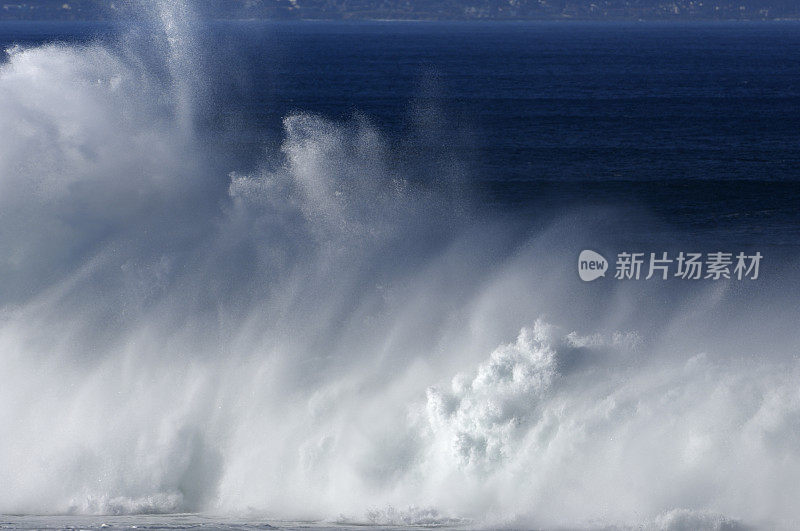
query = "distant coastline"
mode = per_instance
[{"x": 428, "y": 10}]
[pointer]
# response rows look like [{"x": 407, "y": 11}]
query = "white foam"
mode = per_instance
[{"x": 319, "y": 337}]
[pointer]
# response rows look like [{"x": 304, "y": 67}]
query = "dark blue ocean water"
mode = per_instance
[{"x": 698, "y": 123}]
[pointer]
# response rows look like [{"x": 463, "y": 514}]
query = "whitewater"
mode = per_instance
[{"x": 325, "y": 337}]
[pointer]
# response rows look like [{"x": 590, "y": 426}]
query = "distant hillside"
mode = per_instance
[{"x": 425, "y": 9}]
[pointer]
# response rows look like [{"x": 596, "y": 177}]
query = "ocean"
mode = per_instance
[{"x": 333, "y": 274}]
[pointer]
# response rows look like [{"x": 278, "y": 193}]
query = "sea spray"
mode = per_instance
[{"x": 322, "y": 338}]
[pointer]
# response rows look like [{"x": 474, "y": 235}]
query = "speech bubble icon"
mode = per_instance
[{"x": 591, "y": 265}]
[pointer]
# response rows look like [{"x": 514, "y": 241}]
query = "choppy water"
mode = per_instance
[{"x": 326, "y": 273}]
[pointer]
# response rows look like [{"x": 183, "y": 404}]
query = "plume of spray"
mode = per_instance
[
  {"x": 322, "y": 338},
  {"x": 164, "y": 37},
  {"x": 176, "y": 19}
]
